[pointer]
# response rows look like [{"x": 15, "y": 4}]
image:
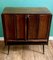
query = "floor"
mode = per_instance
[{"x": 27, "y": 52}]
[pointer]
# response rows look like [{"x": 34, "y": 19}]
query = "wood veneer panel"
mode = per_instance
[
  {"x": 43, "y": 25},
  {"x": 20, "y": 21},
  {"x": 33, "y": 26},
  {"x": 9, "y": 21}
]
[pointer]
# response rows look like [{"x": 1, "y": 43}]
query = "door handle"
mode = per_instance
[
  {"x": 26, "y": 19},
  {"x": 26, "y": 27},
  {"x": 28, "y": 15}
]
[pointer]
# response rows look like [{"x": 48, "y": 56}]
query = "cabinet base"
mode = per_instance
[{"x": 34, "y": 51}]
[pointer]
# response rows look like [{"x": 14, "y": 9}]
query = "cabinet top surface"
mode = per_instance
[{"x": 27, "y": 10}]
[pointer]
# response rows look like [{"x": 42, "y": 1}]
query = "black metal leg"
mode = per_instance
[
  {"x": 43, "y": 49},
  {"x": 8, "y": 49}
]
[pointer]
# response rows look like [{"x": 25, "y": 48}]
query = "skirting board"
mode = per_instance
[{"x": 2, "y": 38}]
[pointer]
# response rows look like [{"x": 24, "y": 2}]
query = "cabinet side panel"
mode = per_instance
[
  {"x": 49, "y": 24},
  {"x": 3, "y": 25}
]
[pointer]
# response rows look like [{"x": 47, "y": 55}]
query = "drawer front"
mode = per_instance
[{"x": 9, "y": 26}]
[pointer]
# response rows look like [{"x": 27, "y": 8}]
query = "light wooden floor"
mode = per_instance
[{"x": 27, "y": 52}]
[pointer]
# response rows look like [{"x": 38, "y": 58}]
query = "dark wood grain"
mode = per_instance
[
  {"x": 20, "y": 21},
  {"x": 33, "y": 26},
  {"x": 43, "y": 24},
  {"x": 9, "y": 21}
]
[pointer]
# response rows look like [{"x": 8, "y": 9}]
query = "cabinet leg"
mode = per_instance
[
  {"x": 8, "y": 49},
  {"x": 43, "y": 49}
]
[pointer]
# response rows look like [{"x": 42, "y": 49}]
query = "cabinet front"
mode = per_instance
[
  {"x": 44, "y": 24},
  {"x": 33, "y": 26},
  {"x": 38, "y": 26},
  {"x": 9, "y": 26},
  {"x": 23, "y": 27},
  {"x": 20, "y": 26}
]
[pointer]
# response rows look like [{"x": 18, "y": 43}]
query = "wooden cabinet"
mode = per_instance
[{"x": 26, "y": 25}]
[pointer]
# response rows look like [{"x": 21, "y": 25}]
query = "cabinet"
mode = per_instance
[{"x": 26, "y": 25}]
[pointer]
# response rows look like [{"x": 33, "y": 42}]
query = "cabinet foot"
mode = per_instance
[
  {"x": 8, "y": 49},
  {"x": 43, "y": 49}
]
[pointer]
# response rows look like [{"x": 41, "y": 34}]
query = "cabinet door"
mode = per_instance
[
  {"x": 20, "y": 21},
  {"x": 44, "y": 24},
  {"x": 33, "y": 26},
  {"x": 9, "y": 26}
]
